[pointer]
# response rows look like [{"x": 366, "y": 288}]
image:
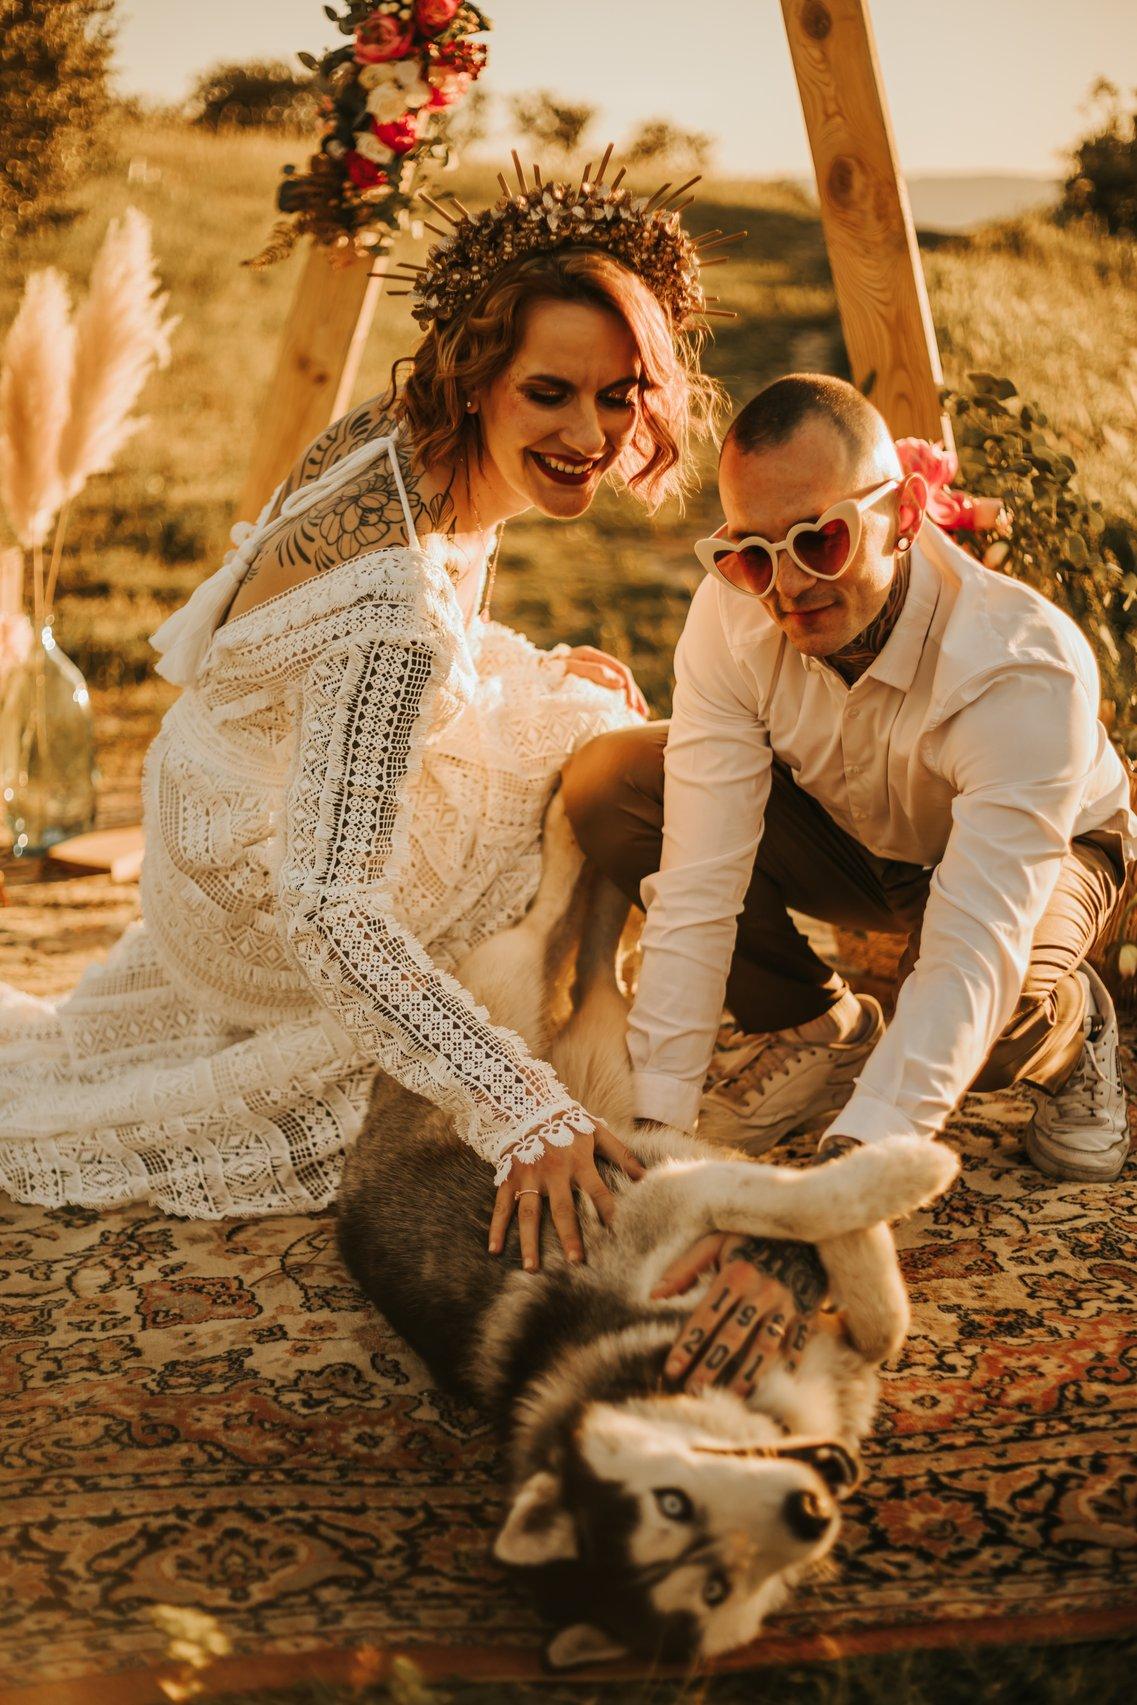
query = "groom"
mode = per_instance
[{"x": 872, "y": 729}]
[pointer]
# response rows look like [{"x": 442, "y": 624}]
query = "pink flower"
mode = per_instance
[
  {"x": 917, "y": 456},
  {"x": 382, "y": 37},
  {"x": 401, "y": 135},
  {"x": 952, "y": 510},
  {"x": 364, "y": 174},
  {"x": 432, "y": 16}
]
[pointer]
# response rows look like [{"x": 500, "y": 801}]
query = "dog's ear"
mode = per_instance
[
  {"x": 582, "y": 1644},
  {"x": 538, "y": 1528}
]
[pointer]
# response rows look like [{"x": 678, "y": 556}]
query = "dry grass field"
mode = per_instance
[{"x": 1056, "y": 310}]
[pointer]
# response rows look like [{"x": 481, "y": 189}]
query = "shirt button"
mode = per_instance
[
  {"x": 853, "y": 714},
  {"x": 853, "y": 770}
]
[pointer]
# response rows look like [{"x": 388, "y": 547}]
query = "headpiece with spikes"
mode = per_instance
[{"x": 644, "y": 232}]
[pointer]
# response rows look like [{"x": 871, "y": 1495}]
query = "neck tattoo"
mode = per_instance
[{"x": 853, "y": 659}]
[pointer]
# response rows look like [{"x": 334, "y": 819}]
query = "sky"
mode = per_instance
[{"x": 974, "y": 86}]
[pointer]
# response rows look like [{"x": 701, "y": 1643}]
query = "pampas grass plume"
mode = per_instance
[
  {"x": 35, "y": 384},
  {"x": 120, "y": 336}
]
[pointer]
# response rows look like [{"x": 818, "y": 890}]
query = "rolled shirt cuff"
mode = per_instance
[{"x": 667, "y": 1100}]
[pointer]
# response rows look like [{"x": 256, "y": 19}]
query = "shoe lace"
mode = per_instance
[
  {"x": 765, "y": 1058},
  {"x": 1084, "y": 1093}
]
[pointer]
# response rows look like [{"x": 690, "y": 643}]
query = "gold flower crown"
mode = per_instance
[{"x": 644, "y": 232}]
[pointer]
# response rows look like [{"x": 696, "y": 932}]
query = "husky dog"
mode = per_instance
[{"x": 647, "y": 1520}]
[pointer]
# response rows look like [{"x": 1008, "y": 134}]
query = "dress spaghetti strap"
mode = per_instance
[{"x": 412, "y": 536}]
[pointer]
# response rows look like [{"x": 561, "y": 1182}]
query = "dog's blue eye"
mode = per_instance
[
  {"x": 715, "y": 1588},
  {"x": 674, "y": 1504}
]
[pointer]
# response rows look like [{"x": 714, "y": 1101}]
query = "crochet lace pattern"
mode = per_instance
[{"x": 345, "y": 799}]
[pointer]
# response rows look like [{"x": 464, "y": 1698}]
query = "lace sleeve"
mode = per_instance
[
  {"x": 504, "y": 647},
  {"x": 367, "y": 704}
]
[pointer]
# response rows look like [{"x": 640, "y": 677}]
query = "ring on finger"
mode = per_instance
[{"x": 517, "y": 1194}]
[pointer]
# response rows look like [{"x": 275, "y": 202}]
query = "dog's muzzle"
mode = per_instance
[{"x": 836, "y": 1465}]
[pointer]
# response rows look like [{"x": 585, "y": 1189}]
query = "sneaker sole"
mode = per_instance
[
  {"x": 1101, "y": 1171},
  {"x": 720, "y": 1125}
]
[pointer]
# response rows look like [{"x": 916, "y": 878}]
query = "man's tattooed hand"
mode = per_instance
[{"x": 795, "y": 1265}]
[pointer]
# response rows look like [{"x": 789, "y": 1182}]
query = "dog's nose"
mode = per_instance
[
  {"x": 807, "y": 1515},
  {"x": 832, "y": 1461},
  {"x": 836, "y": 1467}
]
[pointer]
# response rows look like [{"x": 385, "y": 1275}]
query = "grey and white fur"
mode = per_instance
[{"x": 647, "y": 1520}]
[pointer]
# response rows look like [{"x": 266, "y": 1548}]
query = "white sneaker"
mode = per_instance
[
  {"x": 761, "y": 1087},
  {"x": 1082, "y": 1131}
]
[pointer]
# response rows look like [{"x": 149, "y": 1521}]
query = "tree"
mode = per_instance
[
  {"x": 258, "y": 94},
  {"x": 54, "y": 97},
  {"x": 659, "y": 141},
  {"x": 550, "y": 124},
  {"x": 1103, "y": 183}
]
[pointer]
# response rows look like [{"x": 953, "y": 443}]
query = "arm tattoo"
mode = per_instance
[
  {"x": 853, "y": 659},
  {"x": 364, "y": 514},
  {"x": 795, "y": 1265}
]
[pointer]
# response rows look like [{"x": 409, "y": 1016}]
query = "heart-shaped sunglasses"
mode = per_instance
[{"x": 823, "y": 548}]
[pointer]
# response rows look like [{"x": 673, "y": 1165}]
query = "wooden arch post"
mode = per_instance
[
  {"x": 877, "y": 276},
  {"x": 865, "y": 215}
]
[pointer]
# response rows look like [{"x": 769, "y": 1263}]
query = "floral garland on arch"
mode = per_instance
[{"x": 408, "y": 61}]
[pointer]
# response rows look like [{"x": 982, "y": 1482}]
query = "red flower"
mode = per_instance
[
  {"x": 432, "y": 16},
  {"x": 364, "y": 174},
  {"x": 451, "y": 68},
  {"x": 383, "y": 37},
  {"x": 401, "y": 135}
]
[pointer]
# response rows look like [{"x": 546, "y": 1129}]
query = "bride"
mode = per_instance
[{"x": 348, "y": 794}]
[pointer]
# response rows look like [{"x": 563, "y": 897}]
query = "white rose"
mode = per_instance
[
  {"x": 402, "y": 90},
  {"x": 371, "y": 76},
  {"x": 369, "y": 145}
]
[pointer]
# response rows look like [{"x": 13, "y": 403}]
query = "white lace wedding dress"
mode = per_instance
[{"x": 347, "y": 796}]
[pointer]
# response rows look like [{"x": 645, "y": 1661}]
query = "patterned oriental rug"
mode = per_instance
[{"x": 211, "y": 1454}]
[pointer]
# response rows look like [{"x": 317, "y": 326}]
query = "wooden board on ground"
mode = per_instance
[{"x": 118, "y": 852}]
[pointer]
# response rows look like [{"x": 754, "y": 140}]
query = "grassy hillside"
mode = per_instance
[{"x": 1057, "y": 311}]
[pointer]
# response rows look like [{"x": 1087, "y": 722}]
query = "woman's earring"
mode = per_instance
[
  {"x": 471, "y": 406},
  {"x": 903, "y": 543}
]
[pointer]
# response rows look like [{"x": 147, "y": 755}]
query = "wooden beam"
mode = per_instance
[
  {"x": 881, "y": 295},
  {"x": 319, "y": 357}
]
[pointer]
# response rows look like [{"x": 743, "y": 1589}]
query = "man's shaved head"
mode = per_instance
[
  {"x": 779, "y": 412},
  {"x": 804, "y": 444}
]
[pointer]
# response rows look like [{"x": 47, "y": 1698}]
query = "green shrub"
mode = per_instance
[
  {"x": 1060, "y": 541},
  {"x": 54, "y": 98},
  {"x": 260, "y": 94},
  {"x": 1103, "y": 183}
]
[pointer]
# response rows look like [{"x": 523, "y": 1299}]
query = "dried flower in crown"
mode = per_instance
[
  {"x": 407, "y": 60},
  {"x": 644, "y": 232}
]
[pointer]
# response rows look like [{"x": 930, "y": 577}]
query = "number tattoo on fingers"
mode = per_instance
[{"x": 797, "y": 1266}]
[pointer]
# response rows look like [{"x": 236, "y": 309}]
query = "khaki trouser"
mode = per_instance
[{"x": 613, "y": 789}]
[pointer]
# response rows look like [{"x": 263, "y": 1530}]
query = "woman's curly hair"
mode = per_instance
[{"x": 678, "y": 402}]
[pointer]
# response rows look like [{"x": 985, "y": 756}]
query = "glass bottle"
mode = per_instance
[{"x": 47, "y": 749}]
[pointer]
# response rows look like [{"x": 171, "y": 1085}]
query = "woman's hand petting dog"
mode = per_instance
[
  {"x": 757, "y": 1310},
  {"x": 606, "y": 671},
  {"x": 558, "y": 1172}
]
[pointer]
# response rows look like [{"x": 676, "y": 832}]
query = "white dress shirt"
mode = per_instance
[{"x": 971, "y": 744}]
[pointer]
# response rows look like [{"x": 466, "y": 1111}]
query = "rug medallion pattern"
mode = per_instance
[{"x": 202, "y": 1415}]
